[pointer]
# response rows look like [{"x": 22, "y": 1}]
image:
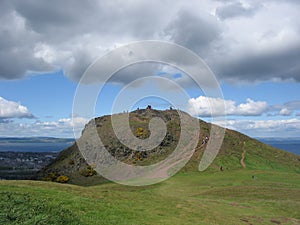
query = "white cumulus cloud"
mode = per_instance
[
  {"x": 207, "y": 106},
  {"x": 11, "y": 109},
  {"x": 285, "y": 112}
]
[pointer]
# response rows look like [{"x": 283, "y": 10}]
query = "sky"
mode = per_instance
[{"x": 251, "y": 46}]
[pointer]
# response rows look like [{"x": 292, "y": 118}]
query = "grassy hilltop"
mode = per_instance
[{"x": 258, "y": 184}]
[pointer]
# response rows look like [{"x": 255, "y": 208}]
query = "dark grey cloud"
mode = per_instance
[
  {"x": 43, "y": 36},
  {"x": 283, "y": 64},
  {"x": 194, "y": 31},
  {"x": 235, "y": 9},
  {"x": 16, "y": 46},
  {"x": 285, "y": 1},
  {"x": 151, "y": 53},
  {"x": 2, "y": 120},
  {"x": 108, "y": 18},
  {"x": 40, "y": 36}
]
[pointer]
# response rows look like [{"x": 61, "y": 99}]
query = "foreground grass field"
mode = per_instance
[{"x": 235, "y": 197}]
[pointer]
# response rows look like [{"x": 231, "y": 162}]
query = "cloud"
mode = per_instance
[
  {"x": 293, "y": 105},
  {"x": 235, "y": 9},
  {"x": 194, "y": 31},
  {"x": 261, "y": 65},
  {"x": 266, "y": 128},
  {"x": 242, "y": 42},
  {"x": 285, "y": 1},
  {"x": 60, "y": 128},
  {"x": 251, "y": 108},
  {"x": 207, "y": 107},
  {"x": 5, "y": 120},
  {"x": 10, "y": 109},
  {"x": 17, "y": 48},
  {"x": 263, "y": 47},
  {"x": 286, "y": 109},
  {"x": 285, "y": 112},
  {"x": 70, "y": 35}
]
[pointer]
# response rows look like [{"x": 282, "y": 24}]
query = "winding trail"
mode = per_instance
[
  {"x": 243, "y": 157},
  {"x": 198, "y": 157}
]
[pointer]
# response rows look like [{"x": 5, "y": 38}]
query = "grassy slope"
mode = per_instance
[
  {"x": 188, "y": 198},
  {"x": 257, "y": 155}
]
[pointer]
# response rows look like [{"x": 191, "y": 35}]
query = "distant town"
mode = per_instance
[{"x": 23, "y": 165}]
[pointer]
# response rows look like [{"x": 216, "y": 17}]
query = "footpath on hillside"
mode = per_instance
[{"x": 243, "y": 156}]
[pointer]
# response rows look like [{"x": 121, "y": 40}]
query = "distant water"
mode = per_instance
[
  {"x": 287, "y": 145},
  {"x": 34, "y": 147}
]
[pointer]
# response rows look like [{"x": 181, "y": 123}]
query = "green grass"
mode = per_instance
[
  {"x": 229, "y": 197},
  {"x": 267, "y": 191}
]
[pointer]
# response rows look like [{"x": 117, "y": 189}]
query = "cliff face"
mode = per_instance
[{"x": 237, "y": 152}]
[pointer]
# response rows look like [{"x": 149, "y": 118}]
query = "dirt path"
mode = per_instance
[
  {"x": 243, "y": 157},
  {"x": 198, "y": 157}
]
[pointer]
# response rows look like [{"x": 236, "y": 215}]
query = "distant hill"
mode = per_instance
[
  {"x": 35, "y": 140},
  {"x": 238, "y": 151}
]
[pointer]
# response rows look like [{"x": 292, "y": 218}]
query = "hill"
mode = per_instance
[{"x": 238, "y": 151}]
